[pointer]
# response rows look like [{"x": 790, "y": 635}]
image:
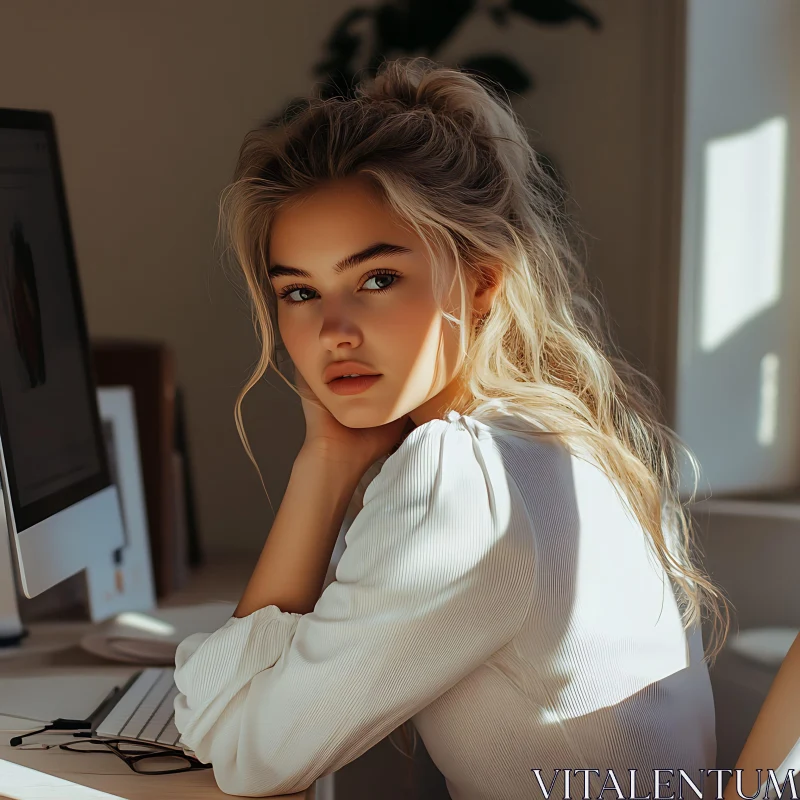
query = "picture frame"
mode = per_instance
[{"x": 123, "y": 580}]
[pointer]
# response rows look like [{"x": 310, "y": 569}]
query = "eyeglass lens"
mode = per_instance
[
  {"x": 161, "y": 763},
  {"x": 143, "y": 758}
]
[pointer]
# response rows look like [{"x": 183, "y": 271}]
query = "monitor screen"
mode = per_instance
[{"x": 52, "y": 441}]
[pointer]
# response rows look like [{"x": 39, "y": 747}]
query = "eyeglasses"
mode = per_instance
[{"x": 140, "y": 757}]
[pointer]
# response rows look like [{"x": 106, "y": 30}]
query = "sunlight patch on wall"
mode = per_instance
[
  {"x": 768, "y": 401},
  {"x": 743, "y": 235}
]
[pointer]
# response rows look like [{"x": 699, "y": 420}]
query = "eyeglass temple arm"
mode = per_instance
[
  {"x": 56, "y": 725},
  {"x": 62, "y": 724}
]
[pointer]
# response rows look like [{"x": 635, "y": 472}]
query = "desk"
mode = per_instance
[{"x": 218, "y": 581}]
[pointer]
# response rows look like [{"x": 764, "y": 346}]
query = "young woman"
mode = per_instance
[{"x": 518, "y": 583}]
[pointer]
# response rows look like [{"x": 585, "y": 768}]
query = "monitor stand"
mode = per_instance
[
  {"x": 64, "y": 602},
  {"x": 12, "y": 631}
]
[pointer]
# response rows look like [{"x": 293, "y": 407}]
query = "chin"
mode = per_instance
[
  {"x": 359, "y": 418},
  {"x": 362, "y": 417}
]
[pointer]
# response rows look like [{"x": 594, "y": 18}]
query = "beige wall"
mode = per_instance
[
  {"x": 151, "y": 101},
  {"x": 740, "y": 248}
]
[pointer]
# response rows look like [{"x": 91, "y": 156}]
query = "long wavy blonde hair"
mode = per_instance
[{"x": 448, "y": 155}]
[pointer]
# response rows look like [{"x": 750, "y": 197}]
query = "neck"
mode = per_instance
[{"x": 453, "y": 395}]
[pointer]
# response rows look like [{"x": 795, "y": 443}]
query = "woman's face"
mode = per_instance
[{"x": 333, "y": 314}]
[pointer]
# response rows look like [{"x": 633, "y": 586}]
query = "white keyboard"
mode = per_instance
[{"x": 144, "y": 709}]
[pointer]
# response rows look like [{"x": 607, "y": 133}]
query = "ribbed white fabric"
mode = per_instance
[{"x": 495, "y": 589}]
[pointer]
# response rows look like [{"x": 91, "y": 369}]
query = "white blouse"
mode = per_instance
[{"x": 495, "y": 589}]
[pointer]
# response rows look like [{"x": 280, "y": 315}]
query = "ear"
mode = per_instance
[{"x": 486, "y": 290}]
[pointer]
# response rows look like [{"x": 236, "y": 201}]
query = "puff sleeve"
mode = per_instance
[{"x": 432, "y": 582}]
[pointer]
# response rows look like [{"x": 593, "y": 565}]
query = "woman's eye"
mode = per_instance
[
  {"x": 381, "y": 286},
  {"x": 290, "y": 292},
  {"x": 380, "y": 277}
]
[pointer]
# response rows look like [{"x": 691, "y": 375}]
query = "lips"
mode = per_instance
[
  {"x": 348, "y": 386},
  {"x": 341, "y": 368}
]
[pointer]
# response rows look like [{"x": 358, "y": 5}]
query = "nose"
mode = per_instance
[{"x": 339, "y": 330}]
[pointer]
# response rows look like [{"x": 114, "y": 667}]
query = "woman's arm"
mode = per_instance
[
  {"x": 291, "y": 570},
  {"x": 776, "y": 728},
  {"x": 437, "y": 575}
]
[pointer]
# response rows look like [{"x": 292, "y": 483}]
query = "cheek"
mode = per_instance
[
  {"x": 295, "y": 338},
  {"x": 405, "y": 328},
  {"x": 422, "y": 342}
]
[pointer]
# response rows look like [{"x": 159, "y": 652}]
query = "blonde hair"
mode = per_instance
[{"x": 448, "y": 155}]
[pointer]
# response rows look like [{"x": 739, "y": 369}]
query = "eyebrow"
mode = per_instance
[{"x": 350, "y": 262}]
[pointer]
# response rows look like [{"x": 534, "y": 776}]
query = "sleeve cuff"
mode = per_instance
[{"x": 211, "y": 668}]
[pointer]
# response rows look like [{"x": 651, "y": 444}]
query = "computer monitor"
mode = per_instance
[{"x": 61, "y": 508}]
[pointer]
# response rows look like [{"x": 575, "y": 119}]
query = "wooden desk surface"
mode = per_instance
[{"x": 61, "y": 775}]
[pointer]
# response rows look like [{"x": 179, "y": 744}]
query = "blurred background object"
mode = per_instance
[
  {"x": 122, "y": 580},
  {"x": 363, "y": 37},
  {"x": 148, "y": 367}
]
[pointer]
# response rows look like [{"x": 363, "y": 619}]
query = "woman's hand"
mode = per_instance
[{"x": 358, "y": 448}]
